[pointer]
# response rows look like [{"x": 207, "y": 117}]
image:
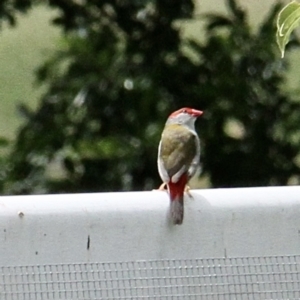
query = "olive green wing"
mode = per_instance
[{"x": 178, "y": 149}]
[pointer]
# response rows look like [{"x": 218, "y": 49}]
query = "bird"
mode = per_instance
[{"x": 178, "y": 157}]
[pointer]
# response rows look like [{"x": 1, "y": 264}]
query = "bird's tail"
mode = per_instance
[
  {"x": 176, "y": 191},
  {"x": 176, "y": 210}
]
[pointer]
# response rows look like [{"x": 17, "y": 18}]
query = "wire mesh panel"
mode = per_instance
[{"x": 275, "y": 277}]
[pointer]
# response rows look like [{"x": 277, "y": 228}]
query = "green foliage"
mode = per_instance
[
  {"x": 287, "y": 20},
  {"x": 242, "y": 79},
  {"x": 122, "y": 70},
  {"x": 103, "y": 113},
  {"x": 9, "y": 8}
]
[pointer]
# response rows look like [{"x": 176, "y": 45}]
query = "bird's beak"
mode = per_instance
[{"x": 197, "y": 113}]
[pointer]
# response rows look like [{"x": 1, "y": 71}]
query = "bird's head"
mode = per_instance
[{"x": 185, "y": 116}]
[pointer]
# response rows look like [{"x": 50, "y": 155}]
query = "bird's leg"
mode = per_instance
[{"x": 187, "y": 190}]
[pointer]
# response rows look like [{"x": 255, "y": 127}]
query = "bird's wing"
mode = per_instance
[
  {"x": 161, "y": 168},
  {"x": 196, "y": 161},
  {"x": 178, "y": 149}
]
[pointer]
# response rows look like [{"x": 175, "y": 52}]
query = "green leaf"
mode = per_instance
[{"x": 287, "y": 20}]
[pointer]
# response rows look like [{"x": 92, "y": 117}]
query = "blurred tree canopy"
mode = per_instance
[{"x": 123, "y": 67}]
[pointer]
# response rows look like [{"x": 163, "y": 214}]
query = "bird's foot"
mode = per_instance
[
  {"x": 162, "y": 187},
  {"x": 187, "y": 190}
]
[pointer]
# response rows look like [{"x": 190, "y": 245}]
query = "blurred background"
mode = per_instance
[{"x": 86, "y": 87}]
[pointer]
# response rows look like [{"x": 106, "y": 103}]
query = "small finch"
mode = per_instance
[{"x": 178, "y": 157}]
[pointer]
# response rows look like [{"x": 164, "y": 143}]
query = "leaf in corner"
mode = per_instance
[{"x": 287, "y": 20}]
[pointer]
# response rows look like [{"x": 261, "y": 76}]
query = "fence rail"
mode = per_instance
[{"x": 234, "y": 244}]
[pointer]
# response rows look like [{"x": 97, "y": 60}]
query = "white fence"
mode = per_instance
[{"x": 233, "y": 244}]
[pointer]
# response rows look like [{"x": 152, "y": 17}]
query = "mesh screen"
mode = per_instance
[{"x": 275, "y": 277}]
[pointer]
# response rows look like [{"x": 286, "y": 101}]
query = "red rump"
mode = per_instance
[{"x": 176, "y": 190}]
